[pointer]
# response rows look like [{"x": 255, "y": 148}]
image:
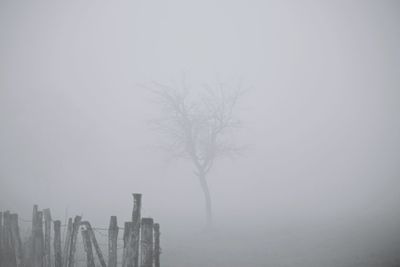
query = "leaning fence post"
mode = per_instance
[
  {"x": 47, "y": 237},
  {"x": 57, "y": 244},
  {"x": 67, "y": 244},
  {"x": 16, "y": 239},
  {"x": 157, "y": 248},
  {"x": 146, "y": 244},
  {"x": 112, "y": 242},
  {"x": 74, "y": 235},
  {"x": 95, "y": 244},
  {"x": 88, "y": 248}
]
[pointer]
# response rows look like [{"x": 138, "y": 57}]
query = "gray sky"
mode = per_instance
[{"x": 321, "y": 120}]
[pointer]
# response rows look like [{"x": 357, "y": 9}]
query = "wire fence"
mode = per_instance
[
  {"x": 80, "y": 257},
  {"x": 104, "y": 238}
]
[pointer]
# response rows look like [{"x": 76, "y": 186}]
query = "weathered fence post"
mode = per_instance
[
  {"x": 146, "y": 244},
  {"x": 88, "y": 248},
  {"x": 95, "y": 244},
  {"x": 127, "y": 231},
  {"x": 16, "y": 239},
  {"x": 47, "y": 237},
  {"x": 5, "y": 241},
  {"x": 1, "y": 238},
  {"x": 74, "y": 235},
  {"x": 132, "y": 248},
  {"x": 157, "y": 248},
  {"x": 136, "y": 219},
  {"x": 8, "y": 246},
  {"x": 32, "y": 252},
  {"x": 57, "y": 244},
  {"x": 37, "y": 238},
  {"x": 112, "y": 242},
  {"x": 38, "y": 254},
  {"x": 67, "y": 244}
]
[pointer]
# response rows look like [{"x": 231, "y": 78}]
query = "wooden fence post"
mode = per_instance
[
  {"x": 88, "y": 248},
  {"x": 112, "y": 242},
  {"x": 132, "y": 248},
  {"x": 157, "y": 248},
  {"x": 146, "y": 244},
  {"x": 57, "y": 244},
  {"x": 1, "y": 239},
  {"x": 32, "y": 252},
  {"x": 47, "y": 237},
  {"x": 74, "y": 235},
  {"x": 67, "y": 244},
  {"x": 37, "y": 237},
  {"x": 127, "y": 231},
  {"x": 136, "y": 219},
  {"x": 16, "y": 239},
  {"x": 6, "y": 243},
  {"x": 95, "y": 244},
  {"x": 9, "y": 252}
]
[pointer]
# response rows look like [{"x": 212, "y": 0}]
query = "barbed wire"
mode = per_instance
[
  {"x": 66, "y": 225},
  {"x": 101, "y": 231},
  {"x": 98, "y": 230}
]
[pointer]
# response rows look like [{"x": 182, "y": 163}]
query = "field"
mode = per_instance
[{"x": 285, "y": 246}]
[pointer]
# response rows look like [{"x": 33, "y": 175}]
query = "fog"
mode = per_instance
[{"x": 318, "y": 181}]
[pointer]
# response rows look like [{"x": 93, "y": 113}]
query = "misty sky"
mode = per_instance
[{"x": 321, "y": 120}]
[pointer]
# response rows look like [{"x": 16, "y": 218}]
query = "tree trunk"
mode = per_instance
[{"x": 207, "y": 198}]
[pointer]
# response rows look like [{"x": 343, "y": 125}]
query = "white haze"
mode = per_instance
[{"x": 320, "y": 119}]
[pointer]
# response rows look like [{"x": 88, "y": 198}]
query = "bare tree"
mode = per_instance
[{"x": 197, "y": 127}]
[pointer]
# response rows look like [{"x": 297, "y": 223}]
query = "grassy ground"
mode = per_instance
[{"x": 287, "y": 246}]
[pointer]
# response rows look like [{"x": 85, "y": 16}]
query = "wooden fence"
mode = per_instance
[{"x": 139, "y": 245}]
